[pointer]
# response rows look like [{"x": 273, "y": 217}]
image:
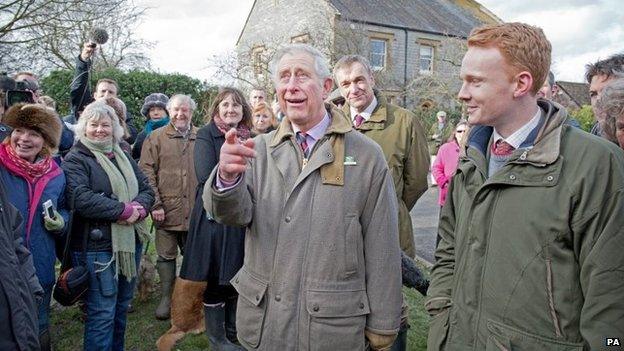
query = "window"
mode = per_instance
[
  {"x": 426, "y": 58},
  {"x": 258, "y": 62},
  {"x": 303, "y": 39},
  {"x": 378, "y": 52}
]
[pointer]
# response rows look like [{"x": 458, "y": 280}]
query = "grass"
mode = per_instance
[{"x": 144, "y": 329}]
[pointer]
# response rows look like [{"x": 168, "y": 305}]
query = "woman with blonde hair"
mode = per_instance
[
  {"x": 111, "y": 198},
  {"x": 264, "y": 120}
]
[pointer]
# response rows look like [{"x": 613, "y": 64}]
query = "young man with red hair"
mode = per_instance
[{"x": 531, "y": 233}]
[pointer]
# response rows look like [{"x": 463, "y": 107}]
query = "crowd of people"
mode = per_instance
[{"x": 292, "y": 221}]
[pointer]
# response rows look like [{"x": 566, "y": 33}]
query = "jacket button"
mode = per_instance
[
  {"x": 361, "y": 305},
  {"x": 512, "y": 177},
  {"x": 236, "y": 280},
  {"x": 550, "y": 178},
  {"x": 257, "y": 297},
  {"x": 287, "y": 219},
  {"x": 278, "y": 298},
  {"x": 315, "y": 308}
]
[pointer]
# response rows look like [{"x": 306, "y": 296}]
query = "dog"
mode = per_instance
[
  {"x": 147, "y": 273},
  {"x": 187, "y": 313}
]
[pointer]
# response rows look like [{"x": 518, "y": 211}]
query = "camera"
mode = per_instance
[
  {"x": 16, "y": 92},
  {"x": 48, "y": 209}
]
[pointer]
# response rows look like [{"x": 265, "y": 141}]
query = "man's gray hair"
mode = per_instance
[
  {"x": 611, "y": 105},
  {"x": 320, "y": 62},
  {"x": 186, "y": 99},
  {"x": 348, "y": 60},
  {"x": 96, "y": 111}
]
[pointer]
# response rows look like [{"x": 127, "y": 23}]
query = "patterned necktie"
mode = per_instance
[
  {"x": 502, "y": 148},
  {"x": 358, "y": 121},
  {"x": 303, "y": 142}
]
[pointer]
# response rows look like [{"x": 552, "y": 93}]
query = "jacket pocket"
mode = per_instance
[
  {"x": 251, "y": 309},
  {"x": 438, "y": 330},
  {"x": 353, "y": 232},
  {"x": 502, "y": 337},
  {"x": 173, "y": 210},
  {"x": 337, "y": 319}
]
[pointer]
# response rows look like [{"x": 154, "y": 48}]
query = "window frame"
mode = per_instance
[
  {"x": 387, "y": 39},
  {"x": 433, "y": 44}
]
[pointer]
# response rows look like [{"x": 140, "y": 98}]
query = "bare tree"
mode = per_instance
[
  {"x": 440, "y": 87},
  {"x": 39, "y": 35}
]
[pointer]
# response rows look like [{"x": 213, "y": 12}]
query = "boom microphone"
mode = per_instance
[{"x": 99, "y": 35}]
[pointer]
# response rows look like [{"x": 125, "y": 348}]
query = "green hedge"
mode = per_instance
[
  {"x": 428, "y": 117},
  {"x": 585, "y": 117},
  {"x": 134, "y": 86}
]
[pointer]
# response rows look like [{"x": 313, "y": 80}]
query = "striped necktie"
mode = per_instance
[
  {"x": 502, "y": 148},
  {"x": 303, "y": 143},
  {"x": 358, "y": 121}
]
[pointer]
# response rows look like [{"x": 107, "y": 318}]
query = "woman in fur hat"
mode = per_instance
[
  {"x": 155, "y": 110},
  {"x": 112, "y": 197},
  {"x": 27, "y": 167}
]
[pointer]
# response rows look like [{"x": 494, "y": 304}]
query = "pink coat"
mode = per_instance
[{"x": 444, "y": 167}]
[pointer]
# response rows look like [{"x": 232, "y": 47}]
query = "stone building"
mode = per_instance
[
  {"x": 415, "y": 46},
  {"x": 572, "y": 95}
]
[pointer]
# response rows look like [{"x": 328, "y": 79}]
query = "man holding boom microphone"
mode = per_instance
[
  {"x": 326, "y": 274},
  {"x": 80, "y": 93}
]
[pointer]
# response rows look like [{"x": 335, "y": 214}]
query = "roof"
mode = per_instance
[
  {"x": 447, "y": 17},
  {"x": 578, "y": 92}
]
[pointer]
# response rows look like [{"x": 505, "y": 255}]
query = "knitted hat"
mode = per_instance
[
  {"x": 154, "y": 100},
  {"x": 36, "y": 117}
]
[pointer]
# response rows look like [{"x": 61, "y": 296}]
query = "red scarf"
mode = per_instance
[
  {"x": 37, "y": 175},
  {"x": 23, "y": 168},
  {"x": 242, "y": 131}
]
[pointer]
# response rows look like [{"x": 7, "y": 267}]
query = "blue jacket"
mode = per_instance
[{"x": 39, "y": 241}]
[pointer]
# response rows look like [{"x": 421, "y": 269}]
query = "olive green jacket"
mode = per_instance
[
  {"x": 531, "y": 258},
  {"x": 322, "y": 259},
  {"x": 437, "y": 138},
  {"x": 402, "y": 139}
]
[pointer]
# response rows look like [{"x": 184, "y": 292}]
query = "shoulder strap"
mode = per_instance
[{"x": 66, "y": 262}]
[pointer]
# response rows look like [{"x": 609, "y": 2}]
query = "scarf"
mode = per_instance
[
  {"x": 30, "y": 171},
  {"x": 242, "y": 131},
  {"x": 126, "y": 187},
  {"x": 36, "y": 178},
  {"x": 152, "y": 125}
]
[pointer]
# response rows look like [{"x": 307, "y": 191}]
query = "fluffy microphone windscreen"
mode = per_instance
[{"x": 99, "y": 35}]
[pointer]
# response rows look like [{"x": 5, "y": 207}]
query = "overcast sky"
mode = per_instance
[{"x": 188, "y": 32}]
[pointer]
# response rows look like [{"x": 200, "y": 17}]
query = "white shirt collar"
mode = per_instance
[
  {"x": 367, "y": 112},
  {"x": 519, "y": 136}
]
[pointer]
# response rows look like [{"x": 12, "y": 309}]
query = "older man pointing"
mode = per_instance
[{"x": 322, "y": 259}]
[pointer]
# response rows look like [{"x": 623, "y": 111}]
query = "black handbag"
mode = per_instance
[{"x": 73, "y": 281}]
